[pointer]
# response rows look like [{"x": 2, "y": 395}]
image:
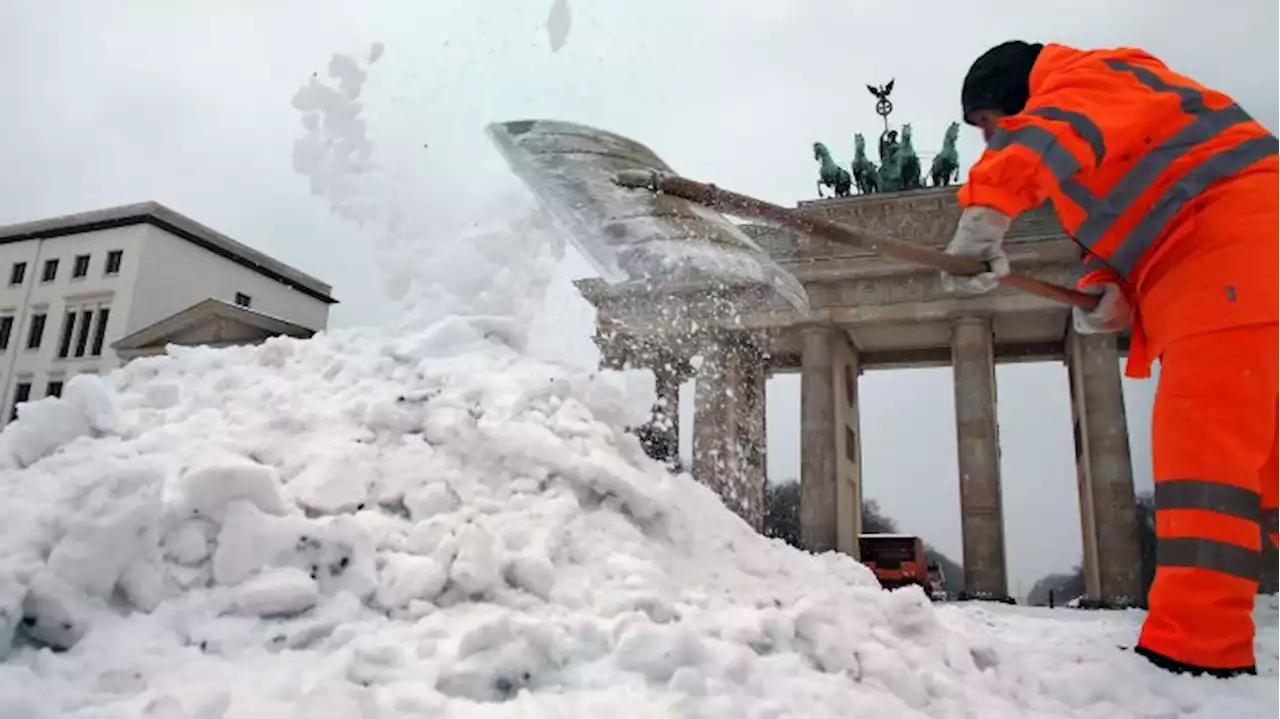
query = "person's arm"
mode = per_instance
[
  {"x": 1030, "y": 153},
  {"x": 1114, "y": 311}
]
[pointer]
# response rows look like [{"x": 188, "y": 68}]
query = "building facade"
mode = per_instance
[{"x": 72, "y": 288}]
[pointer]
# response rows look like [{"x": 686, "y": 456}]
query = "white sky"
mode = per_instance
[{"x": 187, "y": 103}]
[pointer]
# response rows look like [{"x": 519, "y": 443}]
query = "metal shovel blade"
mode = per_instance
[{"x": 630, "y": 235}]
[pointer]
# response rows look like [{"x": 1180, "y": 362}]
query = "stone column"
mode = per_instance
[
  {"x": 1112, "y": 556},
  {"x": 847, "y": 369},
  {"x": 830, "y": 450},
  {"x": 668, "y": 374},
  {"x": 728, "y": 426},
  {"x": 978, "y": 446},
  {"x": 751, "y": 436}
]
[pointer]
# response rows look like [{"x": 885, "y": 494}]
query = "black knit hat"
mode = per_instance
[{"x": 1000, "y": 79}]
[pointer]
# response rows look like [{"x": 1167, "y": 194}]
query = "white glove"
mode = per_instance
[
  {"x": 1112, "y": 314},
  {"x": 979, "y": 236}
]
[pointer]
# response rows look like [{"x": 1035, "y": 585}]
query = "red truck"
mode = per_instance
[{"x": 897, "y": 560}]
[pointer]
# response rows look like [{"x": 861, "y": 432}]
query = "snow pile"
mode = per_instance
[
  {"x": 381, "y": 526},
  {"x": 471, "y": 513}
]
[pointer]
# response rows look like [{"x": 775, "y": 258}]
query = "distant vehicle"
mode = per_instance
[
  {"x": 937, "y": 582},
  {"x": 897, "y": 560}
]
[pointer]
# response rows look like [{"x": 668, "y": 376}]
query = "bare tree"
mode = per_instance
[
  {"x": 1062, "y": 587},
  {"x": 782, "y": 520}
]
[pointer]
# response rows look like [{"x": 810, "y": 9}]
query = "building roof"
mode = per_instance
[
  {"x": 160, "y": 333},
  {"x": 157, "y": 215}
]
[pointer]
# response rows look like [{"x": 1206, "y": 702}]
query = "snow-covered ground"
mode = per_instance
[{"x": 433, "y": 524}]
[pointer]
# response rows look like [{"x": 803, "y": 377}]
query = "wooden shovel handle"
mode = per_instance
[{"x": 745, "y": 206}]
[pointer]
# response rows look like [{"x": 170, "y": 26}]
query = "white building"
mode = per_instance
[{"x": 84, "y": 292}]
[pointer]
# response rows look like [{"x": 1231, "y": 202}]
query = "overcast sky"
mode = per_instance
[{"x": 188, "y": 103}]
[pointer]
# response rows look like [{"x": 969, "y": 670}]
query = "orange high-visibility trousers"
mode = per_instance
[{"x": 1214, "y": 442}]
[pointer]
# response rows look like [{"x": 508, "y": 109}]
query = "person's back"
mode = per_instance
[
  {"x": 1172, "y": 190},
  {"x": 1143, "y": 143}
]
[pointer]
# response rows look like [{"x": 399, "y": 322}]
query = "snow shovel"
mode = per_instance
[
  {"x": 588, "y": 179},
  {"x": 739, "y": 205},
  {"x": 659, "y": 241}
]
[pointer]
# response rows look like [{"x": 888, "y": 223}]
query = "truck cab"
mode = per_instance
[{"x": 897, "y": 560}]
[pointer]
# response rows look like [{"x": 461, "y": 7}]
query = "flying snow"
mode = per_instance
[{"x": 557, "y": 25}]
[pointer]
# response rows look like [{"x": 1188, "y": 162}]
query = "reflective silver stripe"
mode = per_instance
[
  {"x": 1208, "y": 124},
  {"x": 1153, "y": 164},
  {"x": 1057, "y": 158},
  {"x": 1210, "y": 496},
  {"x": 1192, "y": 100},
  {"x": 1092, "y": 262},
  {"x": 1207, "y": 554},
  {"x": 1079, "y": 194},
  {"x": 1216, "y": 167},
  {"x": 1083, "y": 126}
]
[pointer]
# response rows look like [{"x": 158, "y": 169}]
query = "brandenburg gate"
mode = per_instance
[{"x": 872, "y": 313}]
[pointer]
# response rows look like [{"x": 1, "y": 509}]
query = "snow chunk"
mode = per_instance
[
  {"x": 54, "y": 613},
  {"x": 475, "y": 570},
  {"x": 533, "y": 573},
  {"x": 207, "y": 490},
  {"x": 407, "y": 577},
  {"x": 657, "y": 651},
  {"x": 335, "y": 553},
  {"x": 336, "y": 483},
  {"x": 161, "y": 396},
  {"x": 277, "y": 592},
  {"x": 496, "y": 659},
  {"x": 85, "y": 409},
  {"x": 190, "y": 542}
]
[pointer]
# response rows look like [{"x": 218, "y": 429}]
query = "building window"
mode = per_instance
[
  {"x": 36, "y": 334},
  {"x": 114, "y": 258},
  {"x": 100, "y": 332},
  {"x": 54, "y": 388},
  {"x": 82, "y": 336},
  {"x": 80, "y": 333},
  {"x": 21, "y": 393},
  {"x": 50, "y": 271},
  {"x": 68, "y": 332},
  {"x": 243, "y": 300},
  {"x": 80, "y": 266},
  {"x": 6, "y": 332},
  {"x": 18, "y": 273}
]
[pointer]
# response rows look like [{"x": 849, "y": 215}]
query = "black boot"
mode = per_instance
[{"x": 1177, "y": 667}]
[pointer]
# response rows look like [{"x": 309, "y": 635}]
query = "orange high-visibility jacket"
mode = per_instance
[{"x": 1148, "y": 171}]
